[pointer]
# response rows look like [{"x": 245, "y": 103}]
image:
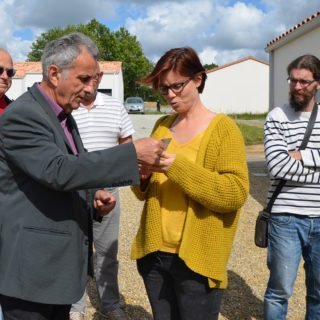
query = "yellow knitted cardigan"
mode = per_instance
[{"x": 217, "y": 186}]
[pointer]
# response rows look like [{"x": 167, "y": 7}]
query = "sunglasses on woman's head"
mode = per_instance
[{"x": 10, "y": 71}]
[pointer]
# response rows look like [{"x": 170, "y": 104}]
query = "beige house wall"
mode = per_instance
[
  {"x": 238, "y": 88},
  {"x": 110, "y": 81},
  {"x": 302, "y": 38}
]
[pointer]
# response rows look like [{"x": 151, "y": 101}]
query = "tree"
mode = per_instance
[
  {"x": 135, "y": 65},
  {"x": 210, "y": 66},
  {"x": 38, "y": 46},
  {"x": 113, "y": 46}
]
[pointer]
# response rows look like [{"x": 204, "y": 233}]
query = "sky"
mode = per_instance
[{"x": 221, "y": 31}]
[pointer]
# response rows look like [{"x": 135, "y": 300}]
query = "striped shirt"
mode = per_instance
[
  {"x": 103, "y": 125},
  {"x": 284, "y": 131}
]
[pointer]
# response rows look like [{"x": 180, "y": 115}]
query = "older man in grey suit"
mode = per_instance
[{"x": 45, "y": 220}]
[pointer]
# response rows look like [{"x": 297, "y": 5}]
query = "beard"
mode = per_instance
[{"x": 299, "y": 99}]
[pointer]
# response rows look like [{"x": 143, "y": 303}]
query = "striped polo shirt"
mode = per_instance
[
  {"x": 284, "y": 132},
  {"x": 103, "y": 125}
]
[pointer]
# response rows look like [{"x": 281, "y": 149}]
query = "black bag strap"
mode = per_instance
[
  {"x": 310, "y": 126},
  {"x": 303, "y": 145}
]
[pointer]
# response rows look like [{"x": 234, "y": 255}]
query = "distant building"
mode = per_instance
[
  {"x": 30, "y": 72},
  {"x": 303, "y": 38},
  {"x": 241, "y": 86}
]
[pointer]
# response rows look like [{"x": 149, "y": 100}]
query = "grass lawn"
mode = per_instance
[
  {"x": 251, "y": 134},
  {"x": 248, "y": 116}
]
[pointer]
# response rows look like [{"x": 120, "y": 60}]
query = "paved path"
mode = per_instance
[{"x": 143, "y": 124}]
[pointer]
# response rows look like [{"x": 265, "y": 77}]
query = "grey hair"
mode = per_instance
[{"x": 63, "y": 51}]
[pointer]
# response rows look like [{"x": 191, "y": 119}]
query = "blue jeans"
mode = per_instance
[
  {"x": 175, "y": 292},
  {"x": 290, "y": 238},
  {"x": 1, "y": 317}
]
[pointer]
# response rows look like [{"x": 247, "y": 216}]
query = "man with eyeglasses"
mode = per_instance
[
  {"x": 6, "y": 74},
  {"x": 294, "y": 226}
]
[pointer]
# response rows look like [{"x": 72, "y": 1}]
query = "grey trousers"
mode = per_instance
[{"x": 105, "y": 237}]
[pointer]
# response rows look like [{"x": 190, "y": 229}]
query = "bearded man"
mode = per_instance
[{"x": 294, "y": 226}]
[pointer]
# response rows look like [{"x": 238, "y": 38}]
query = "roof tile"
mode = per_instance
[
  {"x": 295, "y": 27},
  {"x": 35, "y": 67},
  {"x": 237, "y": 61}
]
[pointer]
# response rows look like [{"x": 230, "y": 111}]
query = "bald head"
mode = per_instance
[{"x": 6, "y": 66}]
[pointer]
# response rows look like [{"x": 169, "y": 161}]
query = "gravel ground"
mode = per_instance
[{"x": 247, "y": 269}]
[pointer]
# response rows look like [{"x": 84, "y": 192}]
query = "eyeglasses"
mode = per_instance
[
  {"x": 10, "y": 71},
  {"x": 303, "y": 83},
  {"x": 175, "y": 87}
]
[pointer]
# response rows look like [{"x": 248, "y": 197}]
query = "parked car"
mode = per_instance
[{"x": 134, "y": 105}]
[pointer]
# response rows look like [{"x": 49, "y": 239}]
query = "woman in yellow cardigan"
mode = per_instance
[{"x": 192, "y": 197}]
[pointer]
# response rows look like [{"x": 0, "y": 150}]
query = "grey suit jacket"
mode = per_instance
[{"x": 44, "y": 213}]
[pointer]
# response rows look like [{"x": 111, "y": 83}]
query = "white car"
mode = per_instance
[{"x": 134, "y": 105}]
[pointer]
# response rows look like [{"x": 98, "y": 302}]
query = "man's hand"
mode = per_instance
[
  {"x": 104, "y": 202},
  {"x": 295, "y": 155},
  {"x": 148, "y": 150}
]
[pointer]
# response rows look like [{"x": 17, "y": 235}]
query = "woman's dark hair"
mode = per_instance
[
  {"x": 308, "y": 62},
  {"x": 183, "y": 61}
]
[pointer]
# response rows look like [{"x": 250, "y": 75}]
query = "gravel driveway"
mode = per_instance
[
  {"x": 143, "y": 124},
  {"x": 248, "y": 273}
]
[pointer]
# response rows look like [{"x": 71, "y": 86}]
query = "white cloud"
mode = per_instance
[
  {"x": 220, "y": 30},
  {"x": 221, "y": 57},
  {"x": 221, "y": 33},
  {"x": 290, "y": 12},
  {"x": 169, "y": 25},
  {"x": 19, "y": 49},
  {"x": 240, "y": 26},
  {"x": 209, "y": 55},
  {"x": 16, "y": 46},
  {"x": 39, "y": 16},
  {"x": 55, "y": 13}
]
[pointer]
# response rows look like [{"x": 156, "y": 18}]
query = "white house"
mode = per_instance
[
  {"x": 30, "y": 72},
  {"x": 238, "y": 87},
  {"x": 303, "y": 38}
]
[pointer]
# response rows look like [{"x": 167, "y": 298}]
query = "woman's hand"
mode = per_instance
[
  {"x": 164, "y": 163},
  {"x": 145, "y": 171}
]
